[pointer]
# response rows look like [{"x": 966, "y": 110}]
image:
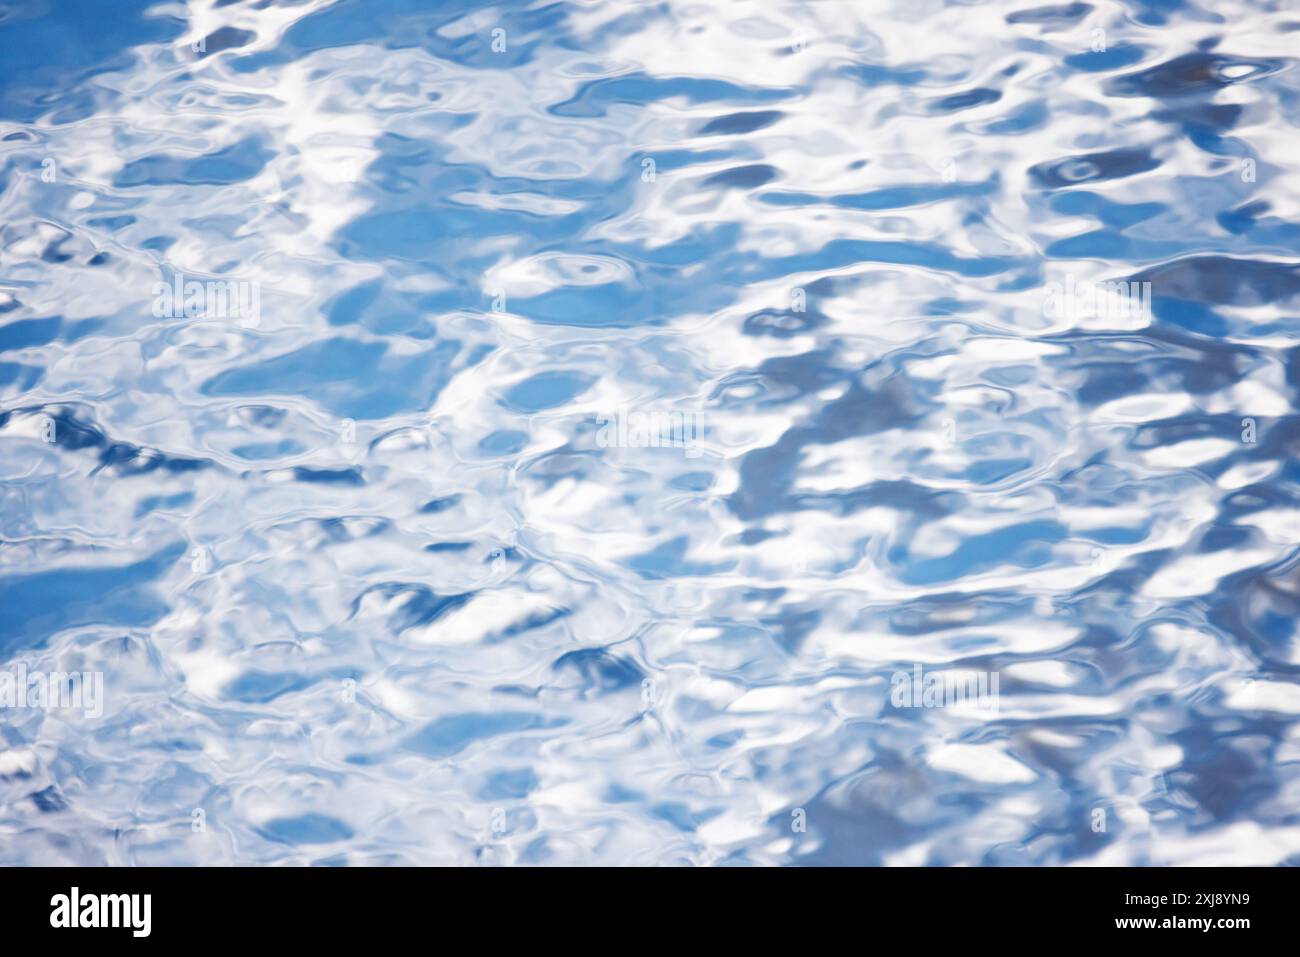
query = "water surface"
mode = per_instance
[{"x": 368, "y": 584}]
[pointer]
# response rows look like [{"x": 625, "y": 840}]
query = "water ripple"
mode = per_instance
[{"x": 581, "y": 433}]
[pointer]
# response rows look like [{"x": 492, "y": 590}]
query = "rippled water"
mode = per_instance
[{"x": 386, "y": 567}]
